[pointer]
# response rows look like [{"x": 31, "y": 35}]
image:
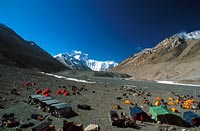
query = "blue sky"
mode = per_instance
[{"x": 104, "y": 29}]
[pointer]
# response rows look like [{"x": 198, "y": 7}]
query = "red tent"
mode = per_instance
[
  {"x": 27, "y": 84},
  {"x": 63, "y": 91},
  {"x": 46, "y": 95},
  {"x": 46, "y": 91},
  {"x": 33, "y": 83},
  {"x": 66, "y": 93},
  {"x": 58, "y": 92},
  {"x": 38, "y": 91}
]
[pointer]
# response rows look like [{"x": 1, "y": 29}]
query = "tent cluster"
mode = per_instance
[
  {"x": 188, "y": 104},
  {"x": 164, "y": 115},
  {"x": 44, "y": 92},
  {"x": 160, "y": 111},
  {"x": 63, "y": 92},
  {"x": 27, "y": 84},
  {"x": 53, "y": 106},
  {"x": 171, "y": 102}
]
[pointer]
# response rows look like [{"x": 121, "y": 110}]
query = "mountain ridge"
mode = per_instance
[
  {"x": 16, "y": 51},
  {"x": 79, "y": 60},
  {"x": 175, "y": 58}
]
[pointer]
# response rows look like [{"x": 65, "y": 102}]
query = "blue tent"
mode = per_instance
[
  {"x": 138, "y": 112},
  {"x": 192, "y": 118}
]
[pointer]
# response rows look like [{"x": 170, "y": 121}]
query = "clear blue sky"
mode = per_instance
[{"x": 104, "y": 29}]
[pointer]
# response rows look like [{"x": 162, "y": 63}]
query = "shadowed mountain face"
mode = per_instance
[
  {"x": 175, "y": 58},
  {"x": 15, "y": 51}
]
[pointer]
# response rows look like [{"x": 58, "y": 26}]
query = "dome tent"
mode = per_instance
[{"x": 164, "y": 115}]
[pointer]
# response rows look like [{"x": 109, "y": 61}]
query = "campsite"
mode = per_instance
[{"x": 101, "y": 95}]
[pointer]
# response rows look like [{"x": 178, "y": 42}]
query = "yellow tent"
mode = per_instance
[
  {"x": 170, "y": 98},
  {"x": 157, "y": 103},
  {"x": 173, "y": 109},
  {"x": 127, "y": 102},
  {"x": 116, "y": 106}
]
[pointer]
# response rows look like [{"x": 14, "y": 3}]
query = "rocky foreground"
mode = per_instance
[{"x": 101, "y": 94}]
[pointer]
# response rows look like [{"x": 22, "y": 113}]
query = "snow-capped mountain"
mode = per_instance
[
  {"x": 192, "y": 35},
  {"x": 80, "y": 60}
]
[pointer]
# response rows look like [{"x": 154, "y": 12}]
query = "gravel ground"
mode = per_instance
[{"x": 101, "y": 96}]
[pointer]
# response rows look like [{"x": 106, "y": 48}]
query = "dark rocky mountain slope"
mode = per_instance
[{"x": 16, "y": 51}]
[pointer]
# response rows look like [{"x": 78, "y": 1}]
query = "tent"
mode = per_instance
[
  {"x": 43, "y": 126},
  {"x": 171, "y": 103},
  {"x": 192, "y": 118},
  {"x": 71, "y": 126},
  {"x": 157, "y": 103},
  {"x": 38, "y": 91},
  {"x": 116, "y": 106},
  {"x": 66, "y": 93},
  {"x": 127, "y": 102},
  {"x": 164, "y": 115},
  {"x": 46, "y": 91},
  {"x": 92, "y": 127},
  {"x": 138, "y": 112},
  {"x": 158, "y": 99},
  {"x": 187, "y": 104},
  {"x": 33, "y": 99},
  {"x": 173, "y": 109},
  {"x": 58, "y": 92},
  {"x": 62, "y": 109},
  {"x": 63, "y": 91},
  {"x": 47, "y": 103},
  {"x": 170, "y": 98}
]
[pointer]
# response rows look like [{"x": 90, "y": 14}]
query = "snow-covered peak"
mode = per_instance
[
  {"x": 191, "y": 35},
  {"x": 77, "y": 52},
  {"x": 58, "y": 55},
  {"x": 79, "y": 60}
]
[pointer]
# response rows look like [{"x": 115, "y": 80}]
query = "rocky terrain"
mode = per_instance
[
  {"x": 174, "y": 59},
  {"x": 101, "y": 95}
]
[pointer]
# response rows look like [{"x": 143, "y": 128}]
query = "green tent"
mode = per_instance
[{"x": 164, "y": 115}]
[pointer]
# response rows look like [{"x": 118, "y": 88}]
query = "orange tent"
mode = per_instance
[
  {"x": 187, "y": 103},
  {"x": 144, "y": 101},
  {"x": 170, "y": 98},
  {"x": 158, "y": 99},
  {"x": 171, "y": 103},
  {"x": 127, "y": 102},
  {"x": 177, "y": 101}
]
